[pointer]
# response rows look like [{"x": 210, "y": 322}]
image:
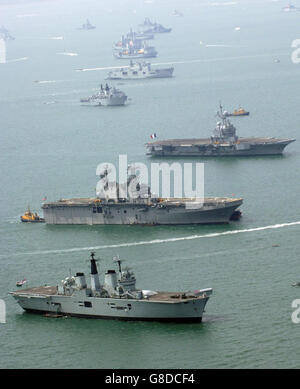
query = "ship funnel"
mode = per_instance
[
  {"x": 80, "y": 281},
  {"x": 110, "y": 280},
  {"x": 95, "y": 283}
]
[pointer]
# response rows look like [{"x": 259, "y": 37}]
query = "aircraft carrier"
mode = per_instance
[
  {"x": 139, "y": 208},
  {"x": 223, "y": 142},
  {"x": 115, "y": 298}
]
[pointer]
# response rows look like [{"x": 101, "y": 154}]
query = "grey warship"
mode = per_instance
[
  {"x": 140, "y": 207},
  {"x": 107, "y": 96},
  {"x": 139, "y": 71},
  {"x": 223, "y": 142},
  {"x": 115, "y": 298}
]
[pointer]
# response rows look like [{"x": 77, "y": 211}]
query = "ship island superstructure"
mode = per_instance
[
  {"x": 223, "y": 142},
  {"x": 139, "y": 207},
  {"x": 116, "y": 297}
]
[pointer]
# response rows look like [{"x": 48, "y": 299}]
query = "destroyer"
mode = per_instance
[
  {"x": 139, "y": 208},
  {"x": 115, "y": 298},
  {"x": 139, "y": 71},
  {"x": 149, "y": 27},
  {"x": 87, "y": 26},
  {"x": 224, "y": 142},
  {"x": 109, "y": 96}
]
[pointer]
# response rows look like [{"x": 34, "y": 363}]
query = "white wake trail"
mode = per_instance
[
  {"x": 159, "y": 241},
  {"x": 187, "y": 62}
]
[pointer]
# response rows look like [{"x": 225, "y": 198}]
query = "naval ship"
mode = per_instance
[
  {"x": 223, "y": 142},
  {"x": 134, "y": 39},
  {"x": 149, "y": 27},
  {"x": 139, "y": 71},
  {"x": 132, "y": 52},
  {"x": 139, "y": 207},
  {"x": 108, "y": 96},
  {"x": 115, "y": 298}
]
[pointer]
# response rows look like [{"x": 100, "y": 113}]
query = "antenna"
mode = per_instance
[{"x": 118, "y": 261}]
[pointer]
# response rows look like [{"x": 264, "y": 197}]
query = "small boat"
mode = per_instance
[
  {"x": 30, "y": 217},
  {"x": 21, "y": 283},
  {"x": 238, "y": 112},
  {"x": 296, "y": 284}
]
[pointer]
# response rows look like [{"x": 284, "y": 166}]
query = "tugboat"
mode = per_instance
[
  {"x": 30, "y": 217},
  {"x": 237, "y": 112},
  {"x": 223, "y": 142},
  {"x": 139, "y": 71},
  {"x": 87, "y": 26},
  {"x": 108, "y": 96},
  {"x": 116, "y": 297}
]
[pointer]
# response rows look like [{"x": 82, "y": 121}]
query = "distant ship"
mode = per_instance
[
  {"x": 87, "y": 26},
  {"x": 133, "y": 53},
  {"x": 153, "y": 28},
  {"x": 290, "y": 8},
  {"x": 114, "y": 297},
  {"x": 176, "y": 13},
  {"x": 132, "y": 39},
  {"x": 139, "y": 71},
  {"x": 109, "y": 96},
  {"x": 5, "y": 35},
  {"x": 109, "y": 207},
  {"x": 237, "y": 112},
  {"x": 224, "y": 142}
]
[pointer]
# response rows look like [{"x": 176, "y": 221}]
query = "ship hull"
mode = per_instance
[
  {"x": 56, "y": 213},
  {"x": 111, "y": 308},
  {"x": 207, "y": 149},
  {"x": 160, "y": 73},
  {"x": 112, "y": 101}
]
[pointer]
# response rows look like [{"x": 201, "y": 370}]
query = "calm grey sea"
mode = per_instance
[{"x": 50, "y": 146}]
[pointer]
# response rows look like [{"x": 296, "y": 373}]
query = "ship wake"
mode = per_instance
[{"x": 159, "y": 241}]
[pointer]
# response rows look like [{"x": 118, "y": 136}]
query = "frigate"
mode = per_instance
[
  {"x": 149, "y": 27},
  {"x": 139, "y": 71},
  {"x": 223, "y": 142},
  {"x": 109, "y": 96},
  {"x": 110, "y": 206},
  {"x": 87, "y": 26},
  {"x": 116, "y": 297}
]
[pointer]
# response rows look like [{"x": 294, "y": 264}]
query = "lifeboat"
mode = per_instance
[{"x": 30, "y": 217}]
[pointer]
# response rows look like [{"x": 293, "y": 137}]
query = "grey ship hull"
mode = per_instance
[
  {"x": 84, "y": 211},
  {"x": 158, "y": 73},
  {"x": 204, "y": 148},
  {"x": 110, "y": 101},
  {"x": 46, "y": 300}
]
